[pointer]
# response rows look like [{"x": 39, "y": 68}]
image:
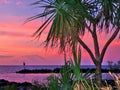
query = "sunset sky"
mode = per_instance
[{"x": 17, "y": 44}]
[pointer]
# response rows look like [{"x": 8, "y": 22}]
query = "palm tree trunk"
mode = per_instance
[{"x": 98, "y": 74}]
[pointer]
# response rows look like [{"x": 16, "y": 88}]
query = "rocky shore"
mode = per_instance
[{"x": 57, "y": 70}]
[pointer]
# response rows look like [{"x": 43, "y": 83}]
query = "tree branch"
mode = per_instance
[
  {"x": 89, "y": 29},
  {"x": 86, "y": 48},
  {"x": 108, "y": 43},
  {"x": 95, "y": 40}
]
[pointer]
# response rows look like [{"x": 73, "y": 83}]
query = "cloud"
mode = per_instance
[
  {"x": 18, "y": 3},
  {"x": 18, "y": 60},
  {"x": 24, "y": 57},
  {"x": 1, "y": 56},
  {"x": 11, "y": 18},
  {"x": 2, "y": 50},
  {"x": 5, "y": 1},
  {"x": 16, "y": 34},
  {"x": 34, "y": 57}
]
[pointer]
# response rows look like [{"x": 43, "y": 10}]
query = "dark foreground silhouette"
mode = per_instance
[
  {"x": 32, "y": 86},
  {"x": 57, "y": 70},
  {"x": 20, "y": 86}
]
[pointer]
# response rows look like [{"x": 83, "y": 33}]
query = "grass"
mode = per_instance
[
  {"x": 11, "y": 87},
  {"x": 68, "y": 80},
  {"x": 116, "y": 78}
]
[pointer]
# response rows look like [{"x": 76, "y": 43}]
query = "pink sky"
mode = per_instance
[{"x": 17, "y": 45}]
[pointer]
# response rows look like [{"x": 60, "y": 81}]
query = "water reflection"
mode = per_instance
[{"x": 14, "y": 77}]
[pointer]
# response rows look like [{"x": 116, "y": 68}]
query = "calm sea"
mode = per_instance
[{"x": 8, "y": 73}]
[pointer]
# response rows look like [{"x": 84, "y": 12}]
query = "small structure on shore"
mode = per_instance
[{"x": 24, "y": 64}]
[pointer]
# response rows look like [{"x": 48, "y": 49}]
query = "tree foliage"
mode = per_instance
[{"x": 70, "y": 19}]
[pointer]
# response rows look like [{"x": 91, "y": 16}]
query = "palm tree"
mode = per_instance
[{"x": 69, "y": 19}]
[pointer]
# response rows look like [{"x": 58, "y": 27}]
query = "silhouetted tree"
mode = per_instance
[{"x": 69, "y": 19}]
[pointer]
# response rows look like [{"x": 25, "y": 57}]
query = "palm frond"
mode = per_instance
[{"x": 69, "y": 19}]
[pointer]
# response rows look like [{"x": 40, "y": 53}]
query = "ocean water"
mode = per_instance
[
  {"x": 9, "y": 73},
  {"x": 14, "y": 68}
]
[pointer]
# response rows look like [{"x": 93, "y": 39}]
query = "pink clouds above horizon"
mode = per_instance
[{"x": 15, "y": 40}]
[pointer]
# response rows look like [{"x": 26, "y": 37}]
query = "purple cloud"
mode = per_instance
[
  {"x": 16, "y": 34},
  {"x": 34, "y": 57},
  {"x": 1, "y": 56},
  {"x": 5, "y": 1},
  {"x": 3, "y": 51},
  {"x": 18, "y": 3}
]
